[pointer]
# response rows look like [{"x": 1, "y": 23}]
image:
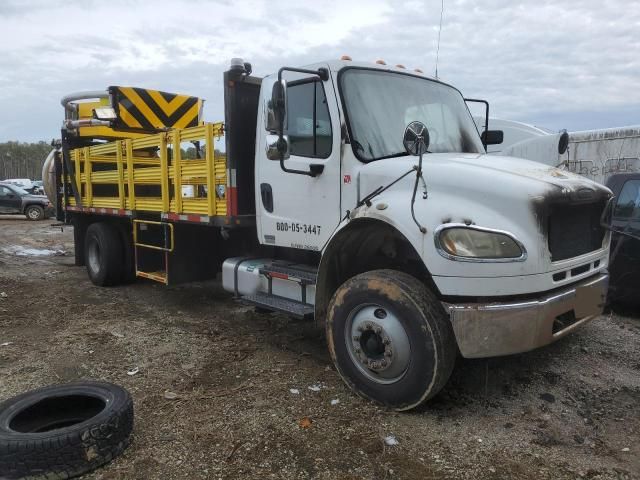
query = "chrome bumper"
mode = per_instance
[{"x": 493, "y": 329}]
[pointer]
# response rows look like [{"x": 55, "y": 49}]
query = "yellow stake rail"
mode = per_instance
[{"x": 149, "y": 173}]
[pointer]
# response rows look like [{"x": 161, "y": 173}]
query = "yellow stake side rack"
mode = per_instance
[{"x": 147, "y": 174}]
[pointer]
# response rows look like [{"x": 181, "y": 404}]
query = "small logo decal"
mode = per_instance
[{"x": 347, "y": 179}]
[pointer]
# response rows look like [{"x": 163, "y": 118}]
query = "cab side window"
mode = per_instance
[
  {"x": 308, "y": 120},
  {"x": 628, "y": 204},
  {"x": 5, "y": 192}
]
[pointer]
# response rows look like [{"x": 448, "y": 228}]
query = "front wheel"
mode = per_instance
[
  {"x": 390, "y": 338},
  {"x": 34, "y": 212}
]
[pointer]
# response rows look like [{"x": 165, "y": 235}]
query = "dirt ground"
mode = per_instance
[{"x": 571, "y": 410}]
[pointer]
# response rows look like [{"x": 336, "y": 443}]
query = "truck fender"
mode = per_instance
[{"x": 363, "y": 243}]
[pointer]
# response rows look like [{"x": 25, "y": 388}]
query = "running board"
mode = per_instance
[
  {"x": 280, "y": 304},
  {"x": 296, "y": 273}
]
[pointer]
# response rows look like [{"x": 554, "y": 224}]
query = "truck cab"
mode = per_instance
[
  {"x": 512, "y": 253},
  {"x": 361, "y": 196}
]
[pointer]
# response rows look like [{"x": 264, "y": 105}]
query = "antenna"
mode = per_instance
[{"x": 439, "y": 31}]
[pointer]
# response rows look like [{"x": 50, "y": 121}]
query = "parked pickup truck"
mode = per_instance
[
  {"x": 625, "y": 241},
  {"x": 357, "y": 195},
  {"x": 14, "y": 199}
]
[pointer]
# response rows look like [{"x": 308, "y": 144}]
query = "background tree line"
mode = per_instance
[{"x": 22, "y": 160}]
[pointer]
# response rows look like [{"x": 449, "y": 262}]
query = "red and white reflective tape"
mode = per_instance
[
  {"x": 103, "y": 211},
  {"x": 175, "y": 217}
]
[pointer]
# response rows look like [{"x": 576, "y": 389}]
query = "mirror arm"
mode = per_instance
[
  {"x": 486, "y": 118},
  {"x": 312, "y": 172},
  {"x": 323, "y": 73},
  {"x": 314, "y": 169}
]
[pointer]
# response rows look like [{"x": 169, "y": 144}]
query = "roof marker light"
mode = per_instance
[
  {"x": 418, "y": 70},
  {"x": 381, "y": 62},
  {"x": 400, "y": 66},
  {"x": 346, "y": 58}
]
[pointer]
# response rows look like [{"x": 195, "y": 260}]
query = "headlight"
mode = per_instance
[{"x": 477, "y": 244}]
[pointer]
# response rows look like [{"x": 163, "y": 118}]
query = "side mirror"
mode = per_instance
[
  {"x": 563, "y": 142},
  {"x": 277, "y": 107},
  {"x": 416, "y": 138},
  {"x": 277, "y": 147},
  {"x": 492, "y": 137}
]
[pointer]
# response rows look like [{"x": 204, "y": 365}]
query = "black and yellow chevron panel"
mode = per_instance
[{"x": 151, "y": 110}]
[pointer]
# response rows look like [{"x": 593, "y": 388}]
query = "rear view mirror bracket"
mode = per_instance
[
  {"x": 486, "y": 117},
  {"x": 277, "y": 114}
]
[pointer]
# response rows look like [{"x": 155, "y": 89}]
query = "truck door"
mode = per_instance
[
  {"x": 625, "y": 249},
  {"x": 10, "y": 202},
  {"x": 295, "y": 210}
]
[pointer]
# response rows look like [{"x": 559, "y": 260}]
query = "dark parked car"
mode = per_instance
[
  {"x": 14, "y": 199},
  {"x": 625, "y": 241}
]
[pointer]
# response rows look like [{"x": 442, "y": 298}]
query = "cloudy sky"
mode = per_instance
[{"x": 558, "y": 64}]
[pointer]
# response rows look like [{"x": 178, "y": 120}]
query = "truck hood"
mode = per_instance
[
  {"x": 464, "y": 171},
  {"x": 494, "y": 192}
]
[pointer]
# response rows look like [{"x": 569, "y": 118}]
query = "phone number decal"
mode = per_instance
[{"x": 294, "y": 227}]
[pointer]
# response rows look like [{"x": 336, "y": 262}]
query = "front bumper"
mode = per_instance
[{"x": 493, "y": 329}]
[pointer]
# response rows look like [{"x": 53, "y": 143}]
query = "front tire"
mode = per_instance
[
  {"x": 104, "y": 256},
  {"x": 390, "y": 339},
  {"x": 34, "y": 213}
]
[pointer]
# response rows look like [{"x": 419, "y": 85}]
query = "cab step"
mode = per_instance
[
  {"x": 280, "y": 304},
  {"x": 291, "y": 271}
]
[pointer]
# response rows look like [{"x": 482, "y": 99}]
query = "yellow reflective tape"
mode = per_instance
[
  {"x": 142, "y": 106},
  {"x": 127, "y": 118},
  {"x": 188, "y": 117},
  {"x": 167, "y": 107}
]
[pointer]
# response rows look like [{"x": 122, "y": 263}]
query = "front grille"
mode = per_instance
[{"x": 575, "y": 230}]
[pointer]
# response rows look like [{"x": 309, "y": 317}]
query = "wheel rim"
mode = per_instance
[
  {"x": 94, "y": 256},
  {"x": 378, "y": 343},
  {"x": 33, "y": 214}
]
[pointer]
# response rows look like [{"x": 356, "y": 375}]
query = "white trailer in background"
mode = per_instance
[{"x": 595, "y": 154}]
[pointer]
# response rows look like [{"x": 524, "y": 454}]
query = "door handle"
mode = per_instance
[{"x": 266, "y": 193}]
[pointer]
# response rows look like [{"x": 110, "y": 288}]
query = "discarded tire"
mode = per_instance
[{"x": 63, "y": 431}]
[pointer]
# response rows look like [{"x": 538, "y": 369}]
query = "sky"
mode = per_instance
[{"x": 556, "y": 64}]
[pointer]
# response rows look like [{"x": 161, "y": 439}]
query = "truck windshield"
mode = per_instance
[{"x": 381, "y": 104}]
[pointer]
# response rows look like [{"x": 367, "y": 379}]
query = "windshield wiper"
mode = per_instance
[{"x": 381, "y": 189}]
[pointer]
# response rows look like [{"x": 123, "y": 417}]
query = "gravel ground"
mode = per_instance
[{"x": 571, "y": 410}]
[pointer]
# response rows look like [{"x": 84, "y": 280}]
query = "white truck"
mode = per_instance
[{"x": 359, "y": 195}]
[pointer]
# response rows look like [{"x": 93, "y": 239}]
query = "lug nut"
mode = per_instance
[{"x": 378, "y": 330}]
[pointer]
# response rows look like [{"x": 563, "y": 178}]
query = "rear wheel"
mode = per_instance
[
  {"x": 103, "y": 252},
  {"x": 34, "y": 212},
  {"x": 390, "y": 339}
]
